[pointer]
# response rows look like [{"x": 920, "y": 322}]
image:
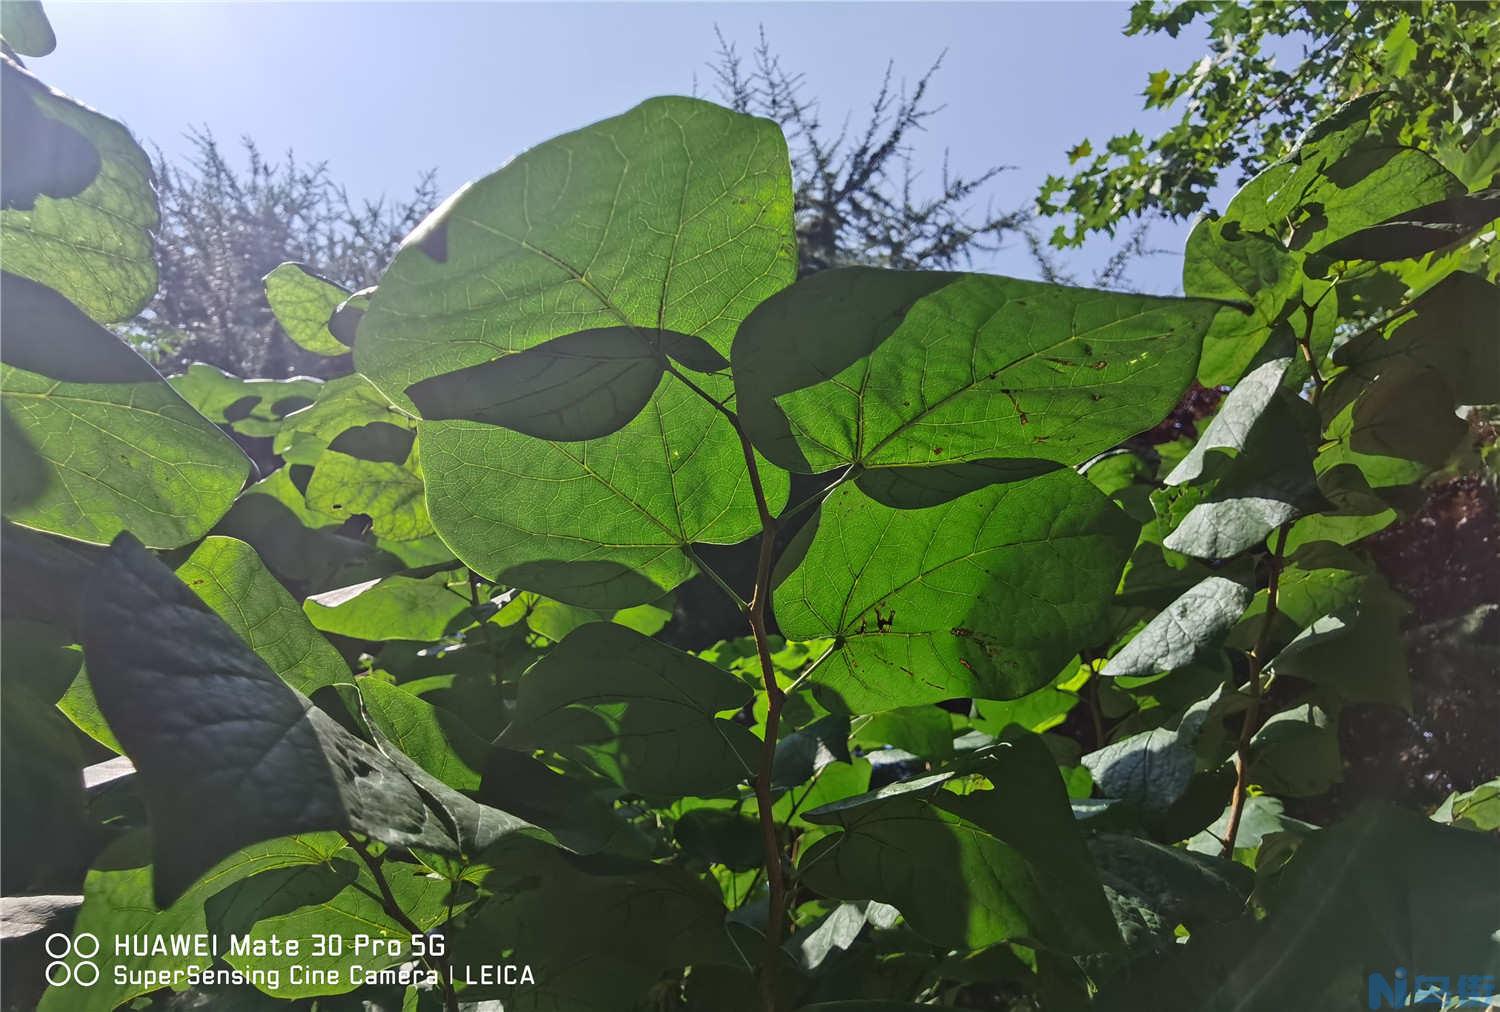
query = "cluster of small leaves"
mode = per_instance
[
  {"x": 408, "y": 683},
  {"x": 1244, "y": 106}
]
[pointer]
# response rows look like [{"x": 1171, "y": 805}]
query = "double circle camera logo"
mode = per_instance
[{"x": 82, "y": 970}]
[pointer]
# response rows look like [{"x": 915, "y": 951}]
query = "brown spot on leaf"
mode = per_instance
[{"x": 1020, "y": 415}]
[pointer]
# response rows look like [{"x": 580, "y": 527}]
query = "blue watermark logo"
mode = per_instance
[{"x": 1406, "y": 990}]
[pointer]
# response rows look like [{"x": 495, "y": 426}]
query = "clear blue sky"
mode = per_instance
[{"x": 382, "y": 91}]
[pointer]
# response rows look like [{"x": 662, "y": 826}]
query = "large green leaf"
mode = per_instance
[
  {"x": 474, "y": 825},
  {"x": 79, "y": 205},
  {"x": 925, "y": 731},
  {"x": 636, "y": 710},
  {"x": 1155, "y": 768},
  {"x": 970, "y": 870},
  {"x": 1357, "y": 650},
  {"x": 554, "y": 620},
  {"x": 1261, "y": 816},
  {"x": 306, "y": 549},
  {"x": 1399, "y": 429},
  {"x": 676, "y": 216},
  {"x": 887, "y": 368},
  {"x": 118, "y": 903},
  {"x": 1452, "y": 332},
  {"x": 601, "y": 523},
  {"x": 1229, "y": 431},
  {"x": 44, "y": 820},
  {"x": 394, "y": 608},
  {"x": 1268, "y": 481},
  {"x": 303, "y": 304},
  {"x": 211, "y": 728},
  {"x": 390, "y": 493},
  {"x": 1478, "y": 809},
  {"x": 1037, "y": 711},
  {"x": 673, "y": 219},
  {"x": 1343, "y": 178},
  {"x": 984, "y": 595},
  {"x": 576, "y": 810},
  {"x": 1421, "y": 230},
  {"x": 119, "y": 448},
  {"x": 1223, "y": 262},
  {"x": 1178, "y": 632},
  {"x": 1296, "y": 753},
  {"x": 231, "y": 579}
]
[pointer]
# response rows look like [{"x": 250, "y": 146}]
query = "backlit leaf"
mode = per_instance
[
  {"x": 79, "y": 203},
  {"x": 602, "y": 523},
  {"x": 336, "y": 902},
  {"x": 676, "y": 216},
  {"x": 393, "y": 608},
  {"x": 230, "y": 578},
  {"x": 119, "y": 902},
  {"x": 25, "y": 27},
  {"x": 120, "y": 449},
  {"x": 887, "y": 368},
  {"x": 252, "y": 407},
  {"x": 303, "y": 304},
  {"x": 985, "y": 595}
]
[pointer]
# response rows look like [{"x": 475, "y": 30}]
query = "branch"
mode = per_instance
[
  {"x": 394, "y": 911},
  {"x": 1252, "y": 714},
  {"x": 755, "y": 612}
]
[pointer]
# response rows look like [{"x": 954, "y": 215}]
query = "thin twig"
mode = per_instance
[
  {"x": 807, "y": 671},
  {"x": 775, "y": 878},
  {"x": 719, "y": 581},
  {"x": 816, "y": 499},
  {"x": 1305, "y": 343},
  {"x": 394, "y": 911},
  {"x": 1252, "y": 713},
  {"x": 755, "y": 612}
]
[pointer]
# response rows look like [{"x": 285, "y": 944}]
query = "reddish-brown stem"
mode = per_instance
[
  {"x": 775, "y": 876},
  {"x": 756, "y": 614},
  {"x": 1252, "y": 712}
]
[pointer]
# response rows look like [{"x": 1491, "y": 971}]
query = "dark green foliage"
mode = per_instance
[{"x": 1027, "y": 704}]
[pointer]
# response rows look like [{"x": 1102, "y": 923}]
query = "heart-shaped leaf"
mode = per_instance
[
  {"x": 985, "y": 595},
  {"x": 891, "y": 368}
]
